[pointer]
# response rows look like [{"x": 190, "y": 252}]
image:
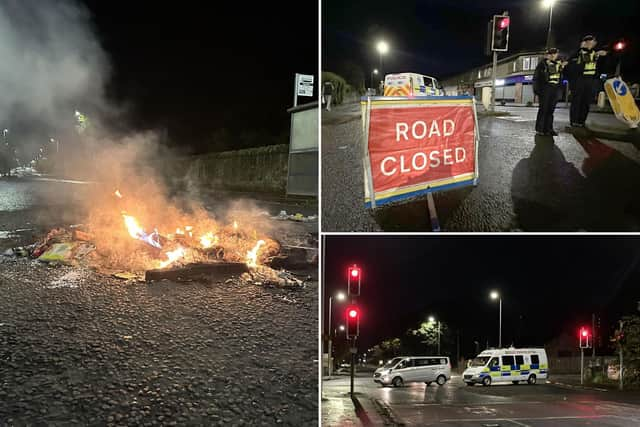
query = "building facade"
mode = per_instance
[{"x": 514, "y": 79}]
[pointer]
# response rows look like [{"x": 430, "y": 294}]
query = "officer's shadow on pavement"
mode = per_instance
[{"x": 550, "y": 194}]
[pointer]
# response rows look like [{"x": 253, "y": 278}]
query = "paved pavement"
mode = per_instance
[
  {"x": 527, "y": 183},
  {"x": 456, "y": 404},
  {"x": 79, "y": 348}
]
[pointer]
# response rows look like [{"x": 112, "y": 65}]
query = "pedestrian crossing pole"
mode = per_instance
[{"x": 493, "y": 80}]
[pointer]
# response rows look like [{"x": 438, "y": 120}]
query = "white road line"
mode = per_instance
[
  {"x": 518, "y": 423},
  {"x": 577, "y": 417}
]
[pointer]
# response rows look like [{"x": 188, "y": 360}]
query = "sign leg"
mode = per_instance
[{"x": 433, "y": 214}]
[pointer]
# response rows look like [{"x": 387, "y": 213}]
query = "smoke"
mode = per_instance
[{"x": 51, "y": 63}]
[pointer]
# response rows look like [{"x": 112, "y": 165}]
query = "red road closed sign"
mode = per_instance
[{"x": 416, "y": 146}]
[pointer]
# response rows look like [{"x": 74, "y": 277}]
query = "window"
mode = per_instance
[
  {"x": 534, "y": 62},
  {"x": 535, "y": 360},
  {"x": 526, "y": 63},
  {"x": 507, "y": 360},
  {"x": 444, "y": 362},
  {"x": 515, "y": 66},
  {"x": 422, "y": 362},
  {"x": 520, "y": 360},
  {"x": 494, "y": 362},
  {"x": 406, "y": 363}
]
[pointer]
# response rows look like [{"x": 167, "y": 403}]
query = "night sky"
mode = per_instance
[
  {"x": 549, "y": 284},
  {"x": 193, "y": 67},
  {"x": 443, "y": 38}
]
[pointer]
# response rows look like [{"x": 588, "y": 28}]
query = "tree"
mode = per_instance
[
  {"x": 629, "y": 340},
  {"x": 353, "y": 75},
  {"x": 425, "y": 336},
  {"x": 387, "y": 349}
]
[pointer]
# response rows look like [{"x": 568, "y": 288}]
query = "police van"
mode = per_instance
[
  {"x": 412, "y": 84},
  {"x": 507, "y": 365},
  {"x": 408, "y": 369}
]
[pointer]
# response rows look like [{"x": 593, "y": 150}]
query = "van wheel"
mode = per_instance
[
  {"x": 441, "y": 380},
  {"x": 486, "y": 381},
  {"x": 532, "y": 379},
  {"x": 397, "y": 382}
]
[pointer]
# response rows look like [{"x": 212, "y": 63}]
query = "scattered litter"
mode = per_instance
[
  {"x": 289, "y": 300},
  {"x": 127, "y": 337},
  {"x": 297, "y": 217},
  {"x": 59, "y": 253},
  {"x": 266, "y": 276},
  {"x": 342, "y": 147},
  {"x": 125, "y": 275}
]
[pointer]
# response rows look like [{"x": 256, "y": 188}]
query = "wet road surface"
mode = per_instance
[
  {"x": 527, "y": 183},
  {"x": 456, "y": 404}
]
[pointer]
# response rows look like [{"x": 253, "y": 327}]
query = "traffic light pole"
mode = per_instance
[
  {"x": 353, "y": 363},
  {"x": 493, "y": 80},
  {"x": 581, "y": 366}
]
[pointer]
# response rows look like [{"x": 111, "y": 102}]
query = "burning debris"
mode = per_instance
[{"x": 116, "y": 242}]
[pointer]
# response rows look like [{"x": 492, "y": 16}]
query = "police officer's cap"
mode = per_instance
[
  {"x": 588, "y": 38},
  {"x": 552, "y": 50}
]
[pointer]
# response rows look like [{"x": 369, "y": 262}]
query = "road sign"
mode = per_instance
[
  {"x": 622, "y": 102},
  {"x": 417, "y": 145},
  {"x": 305, "y": 85}
]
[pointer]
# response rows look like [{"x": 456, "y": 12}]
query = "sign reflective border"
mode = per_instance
[{"x": 413, "y": 146}]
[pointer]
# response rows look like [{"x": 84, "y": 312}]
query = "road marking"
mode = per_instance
[
  {"x": 515, "y": 118},
  {"x": 577, "y": 417}
]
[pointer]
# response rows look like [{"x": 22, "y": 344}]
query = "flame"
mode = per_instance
[
  {"x": 189, "y": 229},
  {"x": 179, "y": 231},
  {"x": 118, "y": 194},
  {"x": 172, "y": 256},
  {"x": 252, "y": 255},
  {"x": 235, "y": 225},
  {"x": 207, "y": 240},
  {"x": 134, "y": 229}
]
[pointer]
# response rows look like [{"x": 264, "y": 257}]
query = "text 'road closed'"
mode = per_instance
[{"x": 391, "y": 165}]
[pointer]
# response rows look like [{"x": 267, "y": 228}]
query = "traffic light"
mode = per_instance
[
  {"x": 585, "y": 337},
  {"x": 354, "y": 277},
  {"x": 619, "y": 46},
  {"x": 353, "y": 321},
  {"x": 500, "y": 37}
]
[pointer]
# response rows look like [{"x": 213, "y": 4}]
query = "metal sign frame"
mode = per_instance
[{"x": 422, "y": 189}]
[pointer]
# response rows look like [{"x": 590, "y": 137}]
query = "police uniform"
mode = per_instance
[
  {"x": 583, "y": 64},
  {"x": 547, "y": 87}
]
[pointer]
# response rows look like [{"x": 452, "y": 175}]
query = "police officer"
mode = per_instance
[
  {"x": 583, "y": 74},
  {"x": 547, "y": 87}
]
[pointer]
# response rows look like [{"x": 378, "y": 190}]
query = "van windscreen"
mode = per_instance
[
  {"x": 480, "y": 361},
  {"x": 391, "y": 363}
]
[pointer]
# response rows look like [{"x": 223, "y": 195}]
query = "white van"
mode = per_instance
[
  {"x": 406, "y": 369},
  {"x": 412, "y": 84},
  {"x": 507, "y": 365}
]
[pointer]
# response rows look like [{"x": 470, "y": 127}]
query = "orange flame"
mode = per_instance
[
  {"x": 172, "y": 256},
  {"x": 252, "y": 255},
  {"x": 235, "y": 225},
  {"x": 189, "y": 229},
  {"x": 207, "y": 240},
  {"x": 118, "y": 194},
  {"x": 133, "y": 227},
  {"x": 179, "y": 231}
]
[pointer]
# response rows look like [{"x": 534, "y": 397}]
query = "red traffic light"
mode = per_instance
[
  {"x": 584, "y": 333},
  {"x": 353, "y": 321},
  {"x": 619, "y": 46},
  {"x": 503, "y": 23},
  {"x": 354, "y": 277}
]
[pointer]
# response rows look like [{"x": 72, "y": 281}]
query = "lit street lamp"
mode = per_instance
[
  {"x": 496, "y": 296},
  {"x": 548, "y": 4},
  {"x": 341, "y": 297},
  {"x": 375, "y": 71},
  {"x": 432, "y": 320},
  {"x": 383, "y": 48}
]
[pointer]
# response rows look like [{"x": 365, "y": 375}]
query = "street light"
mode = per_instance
[
  {"x": 375, "y": 71},
  {"x": 52, "y": 140},
  {"x": 548, "y": 4},
  {"x": 496, "y": 296},
  {"x": 432, "y": 320},
  {"x": 341, "y": 297},
  {"x": 383, "y": 49}
]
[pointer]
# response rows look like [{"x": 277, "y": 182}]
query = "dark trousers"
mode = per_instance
[
  {"x": 548, "y": 100},
  {"x": 582, "y": 95}
]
